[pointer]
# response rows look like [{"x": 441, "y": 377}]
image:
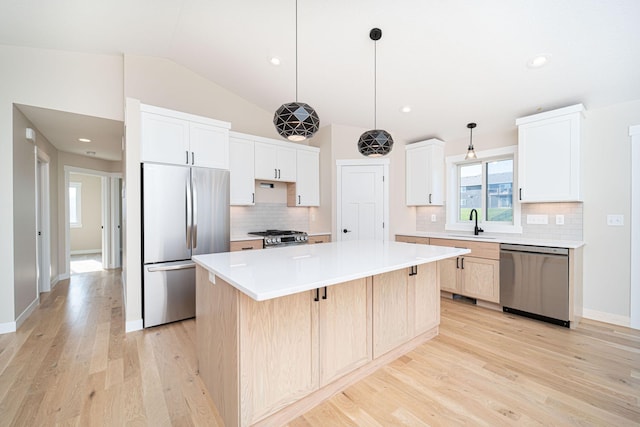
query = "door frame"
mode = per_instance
[
  {"x": 385, "y": 191},
  {"x": 43, "y": 215},
  {"x": 634, "y": 306},
  {"x": 107, "y": 213}
]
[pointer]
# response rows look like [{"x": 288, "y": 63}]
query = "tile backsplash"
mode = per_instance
[
  {"x": 571, "y": 230},
  {"x": 265, "y": 216}
]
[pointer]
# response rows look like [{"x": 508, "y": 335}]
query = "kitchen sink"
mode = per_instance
[{"x": 470, "y": 236}]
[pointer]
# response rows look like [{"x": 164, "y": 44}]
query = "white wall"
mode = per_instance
[
  {"x": 607, "y": 190},
  {"x": 79, "y": 83},
  {"x": 88, "y": 238}
]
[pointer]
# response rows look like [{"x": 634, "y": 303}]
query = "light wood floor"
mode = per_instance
[{"x": 71, "y": 364}]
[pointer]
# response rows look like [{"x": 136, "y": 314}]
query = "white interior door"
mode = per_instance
[
  {"x": 43, "y": 255},
  {"x": 362, "y": 202}
]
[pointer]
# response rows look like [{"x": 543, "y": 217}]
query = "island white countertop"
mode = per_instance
[{"x": 271, "y": 273}]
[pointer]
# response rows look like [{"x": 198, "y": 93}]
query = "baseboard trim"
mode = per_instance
[
  {"x": 64, "y": 276},
  {"x": 7, "y": 328},
  {"x": 27, "y": 312},
  {"x": 601, "y": 316},
  {"x": 133, "y": 325},
  {"x": 85, "y": 251}
]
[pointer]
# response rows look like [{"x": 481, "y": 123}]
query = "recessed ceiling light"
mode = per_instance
[
  {"x": 406, "y": 109},
  {"x": 84, "y": 140},
  {"x": 539, "y": 61},
  {"x": 274, "y": 60}
]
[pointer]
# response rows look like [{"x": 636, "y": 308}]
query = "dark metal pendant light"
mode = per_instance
[
  {"x": 296, "y": 121},
  {"x": 471, "y": 154},
  {"x": 376, "y": 142}
]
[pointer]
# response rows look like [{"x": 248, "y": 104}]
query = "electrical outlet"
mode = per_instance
[
  {"x": 559, "y": 219},
  {"x": 433, "y": 218},
  {"x": 615, "y": 220},
  {"x": 538, "y": 219}
]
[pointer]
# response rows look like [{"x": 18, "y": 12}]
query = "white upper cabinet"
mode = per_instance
[
  {"x": 306, "y": 190},
  {"x": 179, "y": 138},
  {"x": 549, "y": 155},
  {"x": 275, "y": 161},
  {"x": 241, "y": 169},
  {"x": 425, "y": 173}
]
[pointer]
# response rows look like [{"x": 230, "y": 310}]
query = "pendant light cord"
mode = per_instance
[
  {"x": 375, "y": 84},
  {"x": 296, "y": 50}
]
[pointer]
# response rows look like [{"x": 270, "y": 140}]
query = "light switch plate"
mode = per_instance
[
  {"x": 433, "y": 218},
  {"x": 538, "y": 219},
  {"x": 615, "y": 220},
  {"x": 559, "y": 219}
]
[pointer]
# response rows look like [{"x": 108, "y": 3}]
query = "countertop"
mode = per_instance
[
  {"x": 272, "y": 273},
  {"x": 496, "y": 238}
]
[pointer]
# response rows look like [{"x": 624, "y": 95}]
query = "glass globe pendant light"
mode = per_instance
[
  {"x": 471, "y": 153},
  {"x": 375, "y": 142},
  {"x": 296, "y": 121}
]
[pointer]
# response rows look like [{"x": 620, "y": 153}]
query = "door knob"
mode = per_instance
[{"x": 346, "y": 231}]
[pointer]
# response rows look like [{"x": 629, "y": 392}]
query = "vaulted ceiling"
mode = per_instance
[{"x": 452, "y": 62}]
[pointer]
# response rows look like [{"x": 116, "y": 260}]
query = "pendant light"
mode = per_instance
[
  {"x": 471, "y": 154},
  {"x": 376, "y": 142},
  {"x": 296, "y": 121}
]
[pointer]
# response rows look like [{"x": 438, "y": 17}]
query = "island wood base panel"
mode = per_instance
[
  {"x": 328, "y": 339},
  {"x": 314, "y": 399}
]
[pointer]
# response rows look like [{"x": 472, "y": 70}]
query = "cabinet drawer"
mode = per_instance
[
  {"x": 324, "y": 238},
  {"x": 412, "y": 239},
  {"x": 245, "y": 245},
  {"x": 478, "y": 249}
]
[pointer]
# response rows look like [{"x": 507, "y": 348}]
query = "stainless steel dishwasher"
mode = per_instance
[{"x": 534, "y": 282}]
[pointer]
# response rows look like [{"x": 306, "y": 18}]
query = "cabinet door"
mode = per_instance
[
  {"x": 426, "y": 298},
  {"x": 480, "y": 278},
  {"x": 448, "y": 273},
  {"x": 283, "y": 330},
  {"x": 266, "y": 161},
  {"x": 344, "y": 328},
  {"x": 286, "y": 164},
  {"x": 164, "y": 140},
  {"x": 241, "y": 172},
  {"x": 549, "y": 160},
  {"x": 308, "y": 178},
  {"x": 391, "y": 321},
  {"x": 325, "y": 238},
  {"x": 425, "y": 175},
  {"x": 209, "y": 146}
]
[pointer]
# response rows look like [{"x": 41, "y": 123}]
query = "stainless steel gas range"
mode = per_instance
[{"x": 279, "y": 238}]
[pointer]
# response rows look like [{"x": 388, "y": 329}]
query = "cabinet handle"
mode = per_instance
[
  {"x": 317, "y": 298},
  {"x": 253, "y": 197},
  {"x": 457, "y": 262},
  {"x": 429, "y": 198},
  {"x": 299, "y": 202},
  {"x": 462, "y": 264},
  {"x": 278, "y": 173},
  {"x": 275, "y": 173},
  {"x": 413, "y": 270},
  {"x": 247, "y": 249},
  {"x": 187, "y": 153},
  {"x": 193, "y": 158},
  {"x": 520, "y": 194},
  {"x": 324, "y": 296}
]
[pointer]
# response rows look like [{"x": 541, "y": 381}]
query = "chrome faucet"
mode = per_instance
[{"x": 476, "y": 230}]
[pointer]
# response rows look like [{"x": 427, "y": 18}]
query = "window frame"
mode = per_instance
[
  {"x": 452, "y": 207},
  {"x": 78, "y": 187}
]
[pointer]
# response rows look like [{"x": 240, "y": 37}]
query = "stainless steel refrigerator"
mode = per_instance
[{"x": 185, "y": 212}]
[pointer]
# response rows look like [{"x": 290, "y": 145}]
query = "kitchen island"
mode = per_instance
[{"x": 280, "y": 330}]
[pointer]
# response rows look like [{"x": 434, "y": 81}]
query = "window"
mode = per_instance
[
  {"x": 75, "y": 204},
  {"x": 485, "y": 184}
]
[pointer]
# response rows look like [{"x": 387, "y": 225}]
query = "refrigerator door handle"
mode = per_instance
[
  {"x": 194, "y": 219},
  {"x": 188, "y": 213},
  {"x": 172, "y": 267}
]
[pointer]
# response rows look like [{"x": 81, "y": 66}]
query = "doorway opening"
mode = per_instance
[{"x": 93, "y": 220}]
